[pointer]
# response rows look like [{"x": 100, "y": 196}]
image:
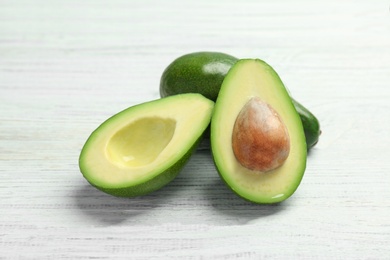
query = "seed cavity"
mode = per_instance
[
  {"x": 260, "y": 139},
  {"x": 141, "y": 142}
]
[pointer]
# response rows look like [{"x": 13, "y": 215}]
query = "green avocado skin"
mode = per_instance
[
  {"x": 310, "y": 124},
  {"x": 204, "y": 72},
  {"x": 199, "y": 72}
]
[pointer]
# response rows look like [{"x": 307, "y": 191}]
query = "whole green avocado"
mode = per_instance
[
  {"x": 204, "y": 72},
  {"x": 198, "y": 72}
]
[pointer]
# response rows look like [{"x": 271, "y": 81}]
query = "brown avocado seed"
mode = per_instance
[{"x": 260, "y": 139}]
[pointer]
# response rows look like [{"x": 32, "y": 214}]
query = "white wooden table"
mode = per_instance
[{"x": 66, "y": 66}]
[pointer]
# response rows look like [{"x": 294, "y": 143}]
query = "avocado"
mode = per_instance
[
  {"x": 203, "y": 72},
  {"x": 198, "y": 72},
  {"x": 257, "y": 138},
  {"x": 310, "y": 124},
  {"x": 144, "y": 147}
]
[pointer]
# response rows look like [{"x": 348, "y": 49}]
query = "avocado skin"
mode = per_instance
[
  {"x": 198, "y": 72},
  {"x": 188, "y": 74},
  {"x": 310, "y": 123}
]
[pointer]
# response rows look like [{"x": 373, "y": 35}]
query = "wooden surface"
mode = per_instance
[{"x": 66, "y": 66}]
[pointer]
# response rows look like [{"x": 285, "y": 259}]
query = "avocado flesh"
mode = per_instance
[
  {"x": 247, "y": 79},
  {"x": 143, "y": 148}
]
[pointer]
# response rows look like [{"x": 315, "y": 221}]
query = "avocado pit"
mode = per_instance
[{"x": 260, "y": 139}]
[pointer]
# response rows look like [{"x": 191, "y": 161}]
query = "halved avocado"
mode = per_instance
[
  {"x": 257, "y": 139},
  {"x": 143, "y": 148}
]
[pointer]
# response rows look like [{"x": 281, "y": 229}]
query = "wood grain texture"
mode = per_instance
[{"x": 65, "y": 66}]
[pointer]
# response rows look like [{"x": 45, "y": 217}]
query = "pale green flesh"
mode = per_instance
[
  {"x": 142, "y": 142},
  {"x": 247, "y": 79}
]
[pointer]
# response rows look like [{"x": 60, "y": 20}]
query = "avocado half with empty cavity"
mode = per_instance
[
  {"x": 144, "y": 147},
  {"x": 257, "y": 139}
]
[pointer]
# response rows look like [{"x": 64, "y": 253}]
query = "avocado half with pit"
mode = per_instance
[
  {"x": 257, "y": 139},
  {"x": 144, "y": 147}
]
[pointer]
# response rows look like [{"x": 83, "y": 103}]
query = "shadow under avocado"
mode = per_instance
[
  {"x": 108, "y": 210},
  {"x": 226, "y": 207},
  {"x": 236, "y": 209}
]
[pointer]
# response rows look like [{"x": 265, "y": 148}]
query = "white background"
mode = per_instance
[{"x": 66, "y": 66}]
